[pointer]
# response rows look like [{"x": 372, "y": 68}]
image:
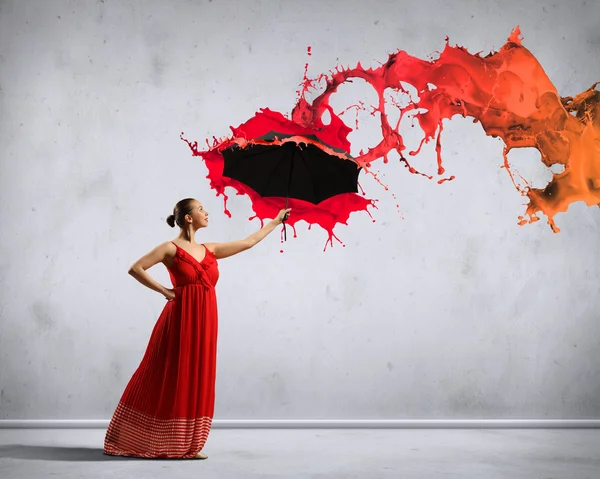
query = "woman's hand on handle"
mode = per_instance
[{"x": 283, "y": 215}]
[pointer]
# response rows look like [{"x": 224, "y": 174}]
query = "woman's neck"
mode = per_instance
[{"x": 187, "y": 234}]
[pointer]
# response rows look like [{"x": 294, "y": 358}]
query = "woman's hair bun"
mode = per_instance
[{"x": 171, "y": 221}]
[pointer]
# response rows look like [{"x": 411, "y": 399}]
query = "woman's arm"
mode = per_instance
[
  {"x": 157, "y": 255},
  {"x": 224, "y": 250}
]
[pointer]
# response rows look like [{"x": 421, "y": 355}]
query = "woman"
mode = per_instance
[{"x": 167, "y": 407}]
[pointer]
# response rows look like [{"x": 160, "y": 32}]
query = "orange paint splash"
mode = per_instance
[{"x": 508, "y": 93}]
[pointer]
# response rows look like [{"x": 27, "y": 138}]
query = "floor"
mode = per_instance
[{"x": 316, "y": 454}]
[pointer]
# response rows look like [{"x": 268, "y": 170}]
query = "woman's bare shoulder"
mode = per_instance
[
  {"x": 165, "y": 249},
  {"x": 167, "y": 252},
  {"x": 210, "y": 246}
]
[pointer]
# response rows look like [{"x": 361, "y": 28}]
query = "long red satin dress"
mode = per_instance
[{"x": 167, "y": 407}]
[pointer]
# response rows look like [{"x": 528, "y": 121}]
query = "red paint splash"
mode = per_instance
[
  {"x": 507, "y": 92},
  {"x": 332, "y": 139}
]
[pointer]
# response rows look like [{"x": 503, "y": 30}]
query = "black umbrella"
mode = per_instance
[{"x": 291, "y": 170}]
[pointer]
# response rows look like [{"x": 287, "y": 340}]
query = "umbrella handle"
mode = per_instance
[
  {"x": 287, "y": 196},
  {"x": 285, "y": 217}
]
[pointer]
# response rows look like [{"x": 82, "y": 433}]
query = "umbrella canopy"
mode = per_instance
[
  {"x": 295, "y": 169},
  {"x": 291, "y": 170},
  {"x": 270, "y": 128}
]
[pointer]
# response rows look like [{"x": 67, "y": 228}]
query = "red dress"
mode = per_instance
[{"x": 167, "y": 407}]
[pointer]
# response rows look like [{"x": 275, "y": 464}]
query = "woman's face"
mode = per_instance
[{"x": 199, "y": 215}]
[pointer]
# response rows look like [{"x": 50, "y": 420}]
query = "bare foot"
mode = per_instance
[{"x": 199, "y": 455}]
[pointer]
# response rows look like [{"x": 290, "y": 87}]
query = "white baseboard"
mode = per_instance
[{"x": 329, "y": 423}]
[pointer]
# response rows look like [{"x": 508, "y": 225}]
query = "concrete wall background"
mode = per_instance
[{"x": 452, "y": 311}]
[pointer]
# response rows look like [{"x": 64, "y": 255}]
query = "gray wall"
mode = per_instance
[{"x": 445, "y": 310}]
